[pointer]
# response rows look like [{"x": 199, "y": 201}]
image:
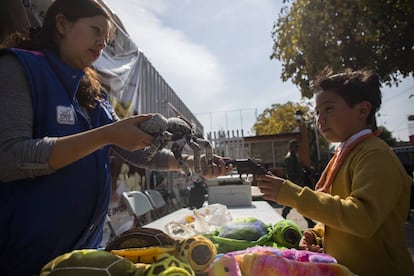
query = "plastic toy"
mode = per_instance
[
  {"x": 89, "y": 262},
  {"x": 148, "y": 245},
  {"x": 180, "y": 132},
  {"x": 248, "y": 232}
]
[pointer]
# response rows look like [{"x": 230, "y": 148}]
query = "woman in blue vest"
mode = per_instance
[{"x": 56, "y": 130}]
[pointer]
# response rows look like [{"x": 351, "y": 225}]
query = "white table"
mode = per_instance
[{"x": 259, "y": 209}]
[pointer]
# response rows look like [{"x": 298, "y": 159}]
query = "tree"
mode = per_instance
[
  {"x": 387, "y": 136},
  {"x": 372, "y": 34},
  {"x": 278, "y": 118}
]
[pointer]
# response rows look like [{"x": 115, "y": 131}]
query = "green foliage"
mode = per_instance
[
  {"x": 387, "y": 136},
  {"x": 278, "y": 118},
  {"x": 373, "y": 34}
]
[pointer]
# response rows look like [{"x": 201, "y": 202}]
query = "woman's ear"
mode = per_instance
[{"x": 61, "y": 22}]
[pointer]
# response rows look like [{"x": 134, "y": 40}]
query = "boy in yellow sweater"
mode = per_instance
[{"x": 362, "y": 197}]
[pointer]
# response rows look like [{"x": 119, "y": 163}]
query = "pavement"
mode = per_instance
[{"x": 301, "y": 222}]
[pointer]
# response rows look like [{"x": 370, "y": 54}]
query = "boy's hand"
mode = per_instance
[
  {"x": 308, "y": 242},
  {"x": 269, "y": 185}
]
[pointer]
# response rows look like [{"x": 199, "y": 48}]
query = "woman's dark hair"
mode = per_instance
[
  {"x": 45, "y": 38},
  {"x": 354, "y": 87}
]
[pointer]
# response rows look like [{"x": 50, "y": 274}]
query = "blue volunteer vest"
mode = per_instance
[{"x": 46, "y": 216}]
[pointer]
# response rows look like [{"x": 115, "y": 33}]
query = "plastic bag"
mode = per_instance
[{"x": 203, "y": 221}]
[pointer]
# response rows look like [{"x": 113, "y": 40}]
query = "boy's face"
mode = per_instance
[{"x": 336, "y": 120}]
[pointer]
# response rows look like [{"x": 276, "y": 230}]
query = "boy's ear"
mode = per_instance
[{"x": 365, "y": 108}]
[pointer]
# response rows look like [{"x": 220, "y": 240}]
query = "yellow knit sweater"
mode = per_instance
[{"x": 364, "y": 213}]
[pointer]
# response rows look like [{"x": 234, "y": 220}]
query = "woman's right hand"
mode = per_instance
[{"x": 127, "y": 134}]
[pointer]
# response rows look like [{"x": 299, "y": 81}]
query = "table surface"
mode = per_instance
[
  {"x": 259, "y": 209},
  {"x": 256, "y": 193}
]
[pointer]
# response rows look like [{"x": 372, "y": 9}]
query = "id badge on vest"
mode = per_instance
[{"x": 65, "y": 115}]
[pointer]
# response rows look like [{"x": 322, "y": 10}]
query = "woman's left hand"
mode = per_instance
[{"x": 217, "y": 168}]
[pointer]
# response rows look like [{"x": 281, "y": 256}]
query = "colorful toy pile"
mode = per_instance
[{"x": 246, "y": 247}]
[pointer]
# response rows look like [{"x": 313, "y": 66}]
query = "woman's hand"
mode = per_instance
[
  {"x": 127, "y": 134},
  {"x": 218, "y": 168},
  {"x": 269, "y": 185}
]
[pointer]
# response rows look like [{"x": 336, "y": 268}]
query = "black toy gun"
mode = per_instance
[{"x": 247, "y": 166}]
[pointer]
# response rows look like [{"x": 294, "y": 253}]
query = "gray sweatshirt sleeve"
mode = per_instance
[
  {"x": 21, "y": 156},
  {"x": 160, "y": 162},
  {"x": 137, "y": 159}
]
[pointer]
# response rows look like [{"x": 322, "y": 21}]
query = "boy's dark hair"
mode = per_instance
[
  {"x": 354, "y": 87},
  {"x": 45, "y": 38}
]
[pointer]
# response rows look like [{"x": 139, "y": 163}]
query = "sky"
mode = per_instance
[{"x": 215, "y": 56}]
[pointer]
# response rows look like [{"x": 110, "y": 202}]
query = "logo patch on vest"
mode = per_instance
[{"x": 65, "y": 115}]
